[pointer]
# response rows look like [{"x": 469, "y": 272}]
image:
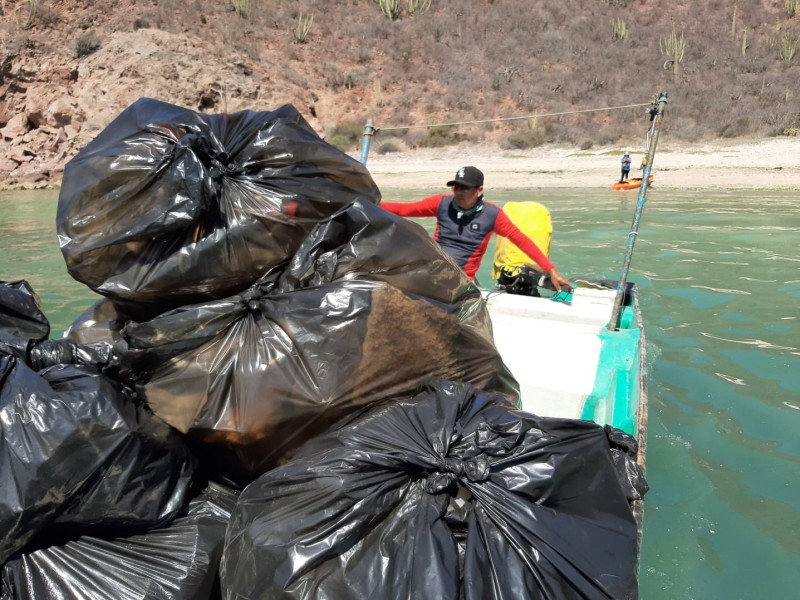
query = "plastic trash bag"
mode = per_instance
[
  {"x": 624, "y": 450},
  {"x": 64, "y": 352},
  {"x": 99, "y": 326},
  {"x": 167, "y": 206},
  {"x": 24, "y": 330},
  {"x": 98, "y": 330},
  {"x": 257, "y": 374},
  {"x": 77, "y": 454},
  {"x": 178, "y": 562},
  {"x": 22, "y": 322},
  {"x": 451, "y": 494}
]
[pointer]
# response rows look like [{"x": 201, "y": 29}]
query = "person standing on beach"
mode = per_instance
[
  {"x": 465, "y": 223},
  {"x": 626, "y": 167}
]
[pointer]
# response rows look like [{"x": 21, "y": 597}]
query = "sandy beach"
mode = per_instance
[
  {"x": 771, "y": 164},
  {"x": 768, "y": 164}
]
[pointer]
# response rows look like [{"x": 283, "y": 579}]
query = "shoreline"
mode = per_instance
[{"x": 770, "y": 164}]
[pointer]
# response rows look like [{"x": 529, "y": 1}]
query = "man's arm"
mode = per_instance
[{"x": 427, "y": 207}]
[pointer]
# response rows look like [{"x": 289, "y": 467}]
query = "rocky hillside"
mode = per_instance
[{"x": 68, "y": 67}]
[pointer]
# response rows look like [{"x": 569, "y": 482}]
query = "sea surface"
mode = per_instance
[{"x": 719, "y": 276}]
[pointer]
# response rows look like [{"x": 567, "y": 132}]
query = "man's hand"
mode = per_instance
[{"x": 558, "y": 280}]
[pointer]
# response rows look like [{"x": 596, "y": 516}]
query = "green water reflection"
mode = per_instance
[{"x": 29, "y": 250}]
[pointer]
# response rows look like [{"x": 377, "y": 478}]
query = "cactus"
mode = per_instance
[
  {"x": 788, "y": 47},
  {"x": 300, "y": 30},
  {"x": 32, "y": 13},
  {"x": 674, "y": 47},
  {"x": 619, "y": 31},
  {"x": 242, "y": 7},
  {"x": 390, "y": 8},
  {"x": 418, "y": 6}
]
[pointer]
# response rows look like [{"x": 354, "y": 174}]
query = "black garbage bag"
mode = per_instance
[
  {"x": 99, "y": 326},
  {"x": 22, "y": 322},
  {"x": 77, "y": 454},
  {"x": 167, "y": 206},
  {"x": 98, "y": 331},
  {"x": 450, "y": 494},
  {"x": 178, "y": 562},
  {"x": 65, "y": 352},
  {"x": 255, "y": 375},
  {"x": 624, "y": 453}
]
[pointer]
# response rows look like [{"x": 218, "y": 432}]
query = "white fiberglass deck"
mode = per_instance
[{"x": 551, "y": 348}]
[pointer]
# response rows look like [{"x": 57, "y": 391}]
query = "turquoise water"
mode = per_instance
[{"x": 719, "y": 274}]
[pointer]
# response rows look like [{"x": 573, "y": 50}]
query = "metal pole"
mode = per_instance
[
  {"x": 656, "y": 113},
  {"x": 369, "y": 131}
]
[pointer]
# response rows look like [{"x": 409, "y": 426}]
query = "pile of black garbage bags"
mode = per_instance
[{"x": 284, "y": 392}]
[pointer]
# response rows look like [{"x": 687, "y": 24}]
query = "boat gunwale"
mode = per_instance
[{"x": 637, "y": 506}]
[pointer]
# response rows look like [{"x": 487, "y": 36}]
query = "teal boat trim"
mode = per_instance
[
  {"x": 614, "y": 397},
  {"x": 619, "y": 396}
]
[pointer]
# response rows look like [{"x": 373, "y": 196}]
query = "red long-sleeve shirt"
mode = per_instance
[{"x": 466, "y": 239}]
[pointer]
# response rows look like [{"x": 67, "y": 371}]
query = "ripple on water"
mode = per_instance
[
  {"x": 731, "y": 379},
  {"x": 721, "y": 290},
  {"x": 749, "y": 342}
]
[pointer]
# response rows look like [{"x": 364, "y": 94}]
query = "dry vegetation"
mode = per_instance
[{"x": 730, "y": 67}]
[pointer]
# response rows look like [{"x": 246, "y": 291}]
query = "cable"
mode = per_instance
[{"x": 536, "y": 116}]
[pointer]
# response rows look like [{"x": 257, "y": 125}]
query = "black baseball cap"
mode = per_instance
[{"x": 468, "y": 176}]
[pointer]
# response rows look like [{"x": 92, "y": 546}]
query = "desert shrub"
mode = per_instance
[
  {"x": 607, "y": 135},
  {"x": 336, "y": 78},
  {"x": 47, "y": 16},
  {"x": 395, "y": 116},
  {"x": 86, "y": 44},
  {"x": 470, "y": 133},
  {"x": 535, "y": 135},
  {"x": 586, "y": 145},
  {"x": 779, "y": 121},
  {"x": 522, "y": 140},
  {"x": 435, "y": 29},
  {"x": 347, "y": 136},
  {"x": 388, "y": 146},
  {"x": 739, "y": 127},
  {"x": 140, "y": 24},
  {"x": 438, "y": 137}
]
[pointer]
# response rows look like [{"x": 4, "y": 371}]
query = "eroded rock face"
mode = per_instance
[
  {"x": 16, "y": 127},
  {"x": 51, "y": 108}
]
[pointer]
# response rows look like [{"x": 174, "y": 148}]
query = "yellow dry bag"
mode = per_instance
[{"x": 533, "y": 219}]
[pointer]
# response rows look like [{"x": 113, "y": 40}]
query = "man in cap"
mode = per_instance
[{"x": 465, "y": 223}]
